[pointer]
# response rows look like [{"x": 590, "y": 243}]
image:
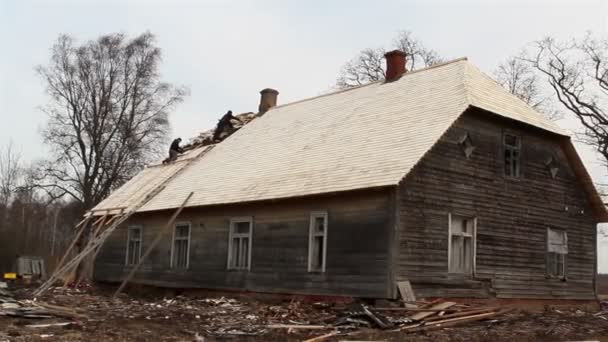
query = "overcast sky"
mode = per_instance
[{"x": 227, "y": 51}]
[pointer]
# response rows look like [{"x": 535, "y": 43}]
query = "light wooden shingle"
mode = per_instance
[{"x": 364, "y": 137}]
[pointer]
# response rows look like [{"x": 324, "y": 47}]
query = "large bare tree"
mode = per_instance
[
  {"x": 107, "y": 115},
  {"x": 577, "y": 71},
  {"x": 521, "y": 79},
  {"x": 368, "y": 65}
]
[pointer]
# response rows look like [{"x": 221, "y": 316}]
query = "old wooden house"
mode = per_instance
[{"x": 437, "y": 176}]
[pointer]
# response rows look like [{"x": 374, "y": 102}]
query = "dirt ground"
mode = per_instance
[{"x": 213, "y": 316}]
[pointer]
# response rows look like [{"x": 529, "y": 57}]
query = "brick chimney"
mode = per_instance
[
  {"x": 395, "y": 65},
  {"x": 268, "y": 99}
]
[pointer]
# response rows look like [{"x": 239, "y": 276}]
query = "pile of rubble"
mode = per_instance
[
  {"x": 210, "y": 137},
  {"x": 11, "y": 307},
  {"x": 72, "y": 314}
]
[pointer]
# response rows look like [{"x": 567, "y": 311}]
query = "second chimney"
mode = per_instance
[
  {"x": 395, "y": 65},
  {"x": 268, "y": 99}
]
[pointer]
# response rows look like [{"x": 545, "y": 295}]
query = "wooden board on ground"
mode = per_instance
[
  {"x": 406, "y": 291},
  {"x": 434, "y": 308}
]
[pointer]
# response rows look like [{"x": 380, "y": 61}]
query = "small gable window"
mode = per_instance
[
  {"x": 552, "y": 166},
  {"x": 512, "y": 155},
  {"x": 466, "y": 143}
]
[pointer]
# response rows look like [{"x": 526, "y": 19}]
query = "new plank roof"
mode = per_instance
[{"x": 369, "y": 136}]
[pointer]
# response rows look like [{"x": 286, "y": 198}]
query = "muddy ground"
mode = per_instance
[{"x": 212, "y": 316}]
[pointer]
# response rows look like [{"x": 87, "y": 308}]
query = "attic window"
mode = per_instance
[
  {"x": 552, "y": 166},
  {"x": 512, "y": 155},
  {"x": 466, "y": 143}
]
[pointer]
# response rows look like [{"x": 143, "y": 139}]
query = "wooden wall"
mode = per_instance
[
  {"x": 512, "y": 214},
  {"x": 357, "y": 247}
]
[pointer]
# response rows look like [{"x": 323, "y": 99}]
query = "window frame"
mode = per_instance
[
  {"x": 311, "y": 237},
  {"x": 473, "y": 237},
  {"x": 512, "y": 148},
  {"x": 141, "y": 239},
  {"x": 232, "y": 235},
  {"x": 173, "y": 259},
  {"x": 550, "y": 254}
]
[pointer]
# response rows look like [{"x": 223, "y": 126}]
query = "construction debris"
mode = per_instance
[
  {"x": 226, "y": 126},
  {"x": 211, "y": 316},
  {"x": 9, "y": 306}
]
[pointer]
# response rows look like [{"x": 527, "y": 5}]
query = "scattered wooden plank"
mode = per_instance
[
  {"x": 454, "y": 321},
  {"x": 437, "y": 307},
  {"x": 62, "y": 324},
  {"x": 60, "y": 311},
  {"x": 296, "y": 326},
  {"x": 322, "y": 337},
  {"x": 461, "y": 314},
  {"x": 414, "y": 309},
  {"x": 377, "y": 320},
  {"x": 431, "y": 303},
  {"x": 406, "y": 291}
]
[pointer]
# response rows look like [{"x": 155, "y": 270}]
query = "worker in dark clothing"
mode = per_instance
[
  {"x": 174, "y": 150},
  {"x": 224, "y": 126}
]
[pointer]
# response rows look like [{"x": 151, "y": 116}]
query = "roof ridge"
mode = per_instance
[{"x": 438, "y": 65}]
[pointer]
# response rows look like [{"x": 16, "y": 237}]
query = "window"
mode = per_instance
[
  {"x": 461, "y": 248},
  {"x": 317, "y": 242},
  {"x": 557, "y": 250},
  {"x": 512, "y": 147},
  {"x": 133, "y": 245},
  {"x": 239, "y": 249},
  {"x": 180, "y": 254}
]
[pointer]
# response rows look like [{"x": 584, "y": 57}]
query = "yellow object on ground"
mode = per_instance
[{"x": 10, "y": 275}]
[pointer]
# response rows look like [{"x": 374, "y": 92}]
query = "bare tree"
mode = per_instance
[
  {"x": 368, "y": 65},
  {"x": 577, "y": 71},
  {"x": 108, "y": 114},
  {"x": 10, "y": 170},
  {"x": 521, "y": 79}
]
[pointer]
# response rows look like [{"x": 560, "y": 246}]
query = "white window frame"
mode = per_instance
[
  {"x": 173, "y": 259},
  {"x": 473, "y": 237},
  {"x": 563, "y": 254},
  {"x": 311, "y": 237},
  {"x": 141, "y": 238},
  {"x": 512, "y": 148},
  {"x": 232, "y": 235}
]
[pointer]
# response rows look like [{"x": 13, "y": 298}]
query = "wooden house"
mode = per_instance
[{"x": 437, "y": 176}]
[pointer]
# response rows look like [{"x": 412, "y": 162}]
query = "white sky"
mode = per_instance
[{"x": 227, "y": 51}]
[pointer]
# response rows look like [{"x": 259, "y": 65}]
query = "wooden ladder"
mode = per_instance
[{"x": 100, "y": 235}]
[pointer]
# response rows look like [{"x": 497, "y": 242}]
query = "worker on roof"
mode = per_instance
[
  {"x": 174, "y": 150},
  {"x": 224, "y": 127}
]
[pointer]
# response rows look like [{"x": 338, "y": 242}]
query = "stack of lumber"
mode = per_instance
[
  {"x": 9, "y": 306},
  {"x": 441, "y": 313}
]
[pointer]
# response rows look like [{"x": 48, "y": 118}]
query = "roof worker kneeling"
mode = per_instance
[{"x": 174, "y": 151}]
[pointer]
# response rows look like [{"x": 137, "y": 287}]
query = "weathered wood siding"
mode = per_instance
[
  {"x": 513, "y": 215},
  {"x": 357, "y": 247}
]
